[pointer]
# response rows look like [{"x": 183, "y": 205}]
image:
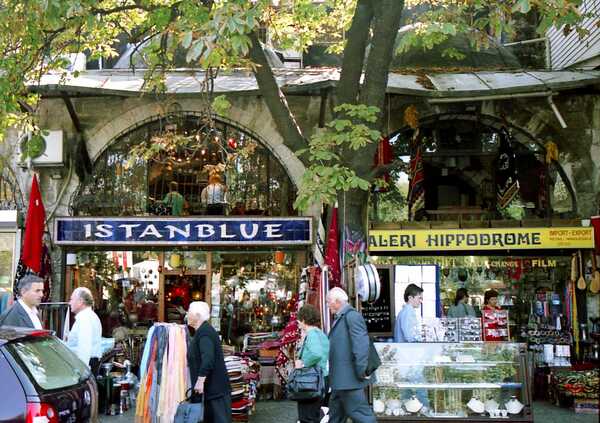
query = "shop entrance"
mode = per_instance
[{"x": 180, "y": 290}]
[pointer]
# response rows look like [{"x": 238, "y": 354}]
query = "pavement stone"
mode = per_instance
[{"x": 285, "y": 412}]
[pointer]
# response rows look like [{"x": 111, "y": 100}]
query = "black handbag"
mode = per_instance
[
  {"x": 188, "y": 412},
  {"x": 306, "y": 383},
  {"x": 373, "y": 362}
]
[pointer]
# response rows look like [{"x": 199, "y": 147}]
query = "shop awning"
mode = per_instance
[{"x": 306, "y": 81}]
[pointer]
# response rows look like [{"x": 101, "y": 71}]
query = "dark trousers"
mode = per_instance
[
  {"x": 309, "y": 411},
  {"x": 218, "y": 410},
  {"x": 95, "y": 365},
  {"x": 350, "y": 403}
]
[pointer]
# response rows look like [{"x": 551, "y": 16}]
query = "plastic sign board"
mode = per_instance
[{"x": 434, "y": 240}]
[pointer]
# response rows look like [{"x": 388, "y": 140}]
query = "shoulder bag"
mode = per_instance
[
  {"x": 188, "y": 412},
  {"x": 306, "y": 383},
  {"x": 373, "y": 360}
]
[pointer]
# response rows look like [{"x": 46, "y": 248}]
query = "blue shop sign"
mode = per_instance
[{"x": 200, "y": 231}]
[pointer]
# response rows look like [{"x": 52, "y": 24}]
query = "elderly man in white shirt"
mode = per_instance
[{"x": 86, "y": 333}]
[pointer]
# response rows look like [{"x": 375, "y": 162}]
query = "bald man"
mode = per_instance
[{"x": 86, "y": 334}]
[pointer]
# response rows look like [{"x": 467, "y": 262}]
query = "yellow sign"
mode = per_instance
[{"x": 407, "y": 240}]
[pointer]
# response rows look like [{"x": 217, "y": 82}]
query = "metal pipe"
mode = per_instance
[
  {"x": 530, "y": 41},
  {"x": 489, "y": 97},
  {"x": 557, "y": 112}
]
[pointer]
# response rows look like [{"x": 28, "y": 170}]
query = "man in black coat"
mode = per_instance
[
  {"x": 348, "y": 359},
  {"x": 24, "y": 311},
  {"x": 207, "y": 366}
]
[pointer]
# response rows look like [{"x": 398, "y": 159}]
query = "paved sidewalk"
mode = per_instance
[{"x": 285, "y": 412}]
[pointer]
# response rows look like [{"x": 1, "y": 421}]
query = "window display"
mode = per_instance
[{"x": 451, "y": 380}]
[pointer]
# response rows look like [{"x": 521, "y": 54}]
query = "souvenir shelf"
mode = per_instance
[{"x": 463, "y": 381}]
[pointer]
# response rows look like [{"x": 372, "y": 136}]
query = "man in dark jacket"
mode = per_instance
[
  {"x": 207, "y": 366},
  {"x": 348, "y": 357},
  {"x": 24, "y": 311}
]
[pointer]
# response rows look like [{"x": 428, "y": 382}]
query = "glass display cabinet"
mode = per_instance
[{"x": 466, "y": 381}]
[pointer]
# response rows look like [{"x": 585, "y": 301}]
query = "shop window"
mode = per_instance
[
  {"x": 170, "y": 179},
  {"x": 7, "y": 246}
]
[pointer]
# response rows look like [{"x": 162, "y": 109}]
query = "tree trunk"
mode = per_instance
[
  {"x": 274, "y": 97},
  {"x": 354, "y": 53}
]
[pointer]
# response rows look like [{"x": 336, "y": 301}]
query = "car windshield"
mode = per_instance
[{"x": 49, "y": 362}]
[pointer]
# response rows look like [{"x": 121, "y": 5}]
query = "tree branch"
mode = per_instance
[
  {"x": 385, "y": 30},
  {"x": 354, "y": 52},
  {"x": 275, "y": 99}
]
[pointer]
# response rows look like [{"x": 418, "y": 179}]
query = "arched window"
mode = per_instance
[{"x": 186, "y": 148}]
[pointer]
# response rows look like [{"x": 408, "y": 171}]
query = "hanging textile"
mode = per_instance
[
  {"x": 31, "y": 256},
  {"x": 325, "y": 316},
  {"x": 596, "y": 224},
  {"x": 46, "y": 273},
  {"x": 164, "y": 373},
  {"x": 383, "y": 157},
  {"x": 507, "y": 184},
  {"x": 332, "y": 253},
  {"x": 416, "y": 183}
]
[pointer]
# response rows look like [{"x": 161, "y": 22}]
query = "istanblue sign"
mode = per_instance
[{"x": 201, "y": 231}]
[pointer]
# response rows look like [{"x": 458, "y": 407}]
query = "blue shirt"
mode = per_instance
[{"x": 407, "y": 325}]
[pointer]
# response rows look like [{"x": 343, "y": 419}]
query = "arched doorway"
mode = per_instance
[{"x": 459, "y": 153}]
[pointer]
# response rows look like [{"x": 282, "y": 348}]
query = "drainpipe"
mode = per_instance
[{"x": 562, "y": 122}]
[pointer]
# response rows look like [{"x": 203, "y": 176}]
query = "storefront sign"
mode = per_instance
[
  {"x": 201, "y": 231},
  {"x": 480, "y": 239}
]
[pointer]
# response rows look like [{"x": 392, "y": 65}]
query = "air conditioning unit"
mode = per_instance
[{"x": 47, "y": 151}]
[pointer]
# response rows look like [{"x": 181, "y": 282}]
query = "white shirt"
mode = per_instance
[
  {"x": 32, "y": 313},
  {"x": 214, "y": 194},
  {"x": 85, "y": 336}
]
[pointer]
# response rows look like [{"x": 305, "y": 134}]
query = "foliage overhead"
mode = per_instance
[{"x": 37, "y": 37}]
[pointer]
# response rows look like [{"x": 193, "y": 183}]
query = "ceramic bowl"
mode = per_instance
[
  {"x": 491, "y": 404},
  {"x": 514, "y": 406},
  {"x": 476, "y": 406},
  {"x": 413, "y": 405},
  {"x": 378, "y": 406}
]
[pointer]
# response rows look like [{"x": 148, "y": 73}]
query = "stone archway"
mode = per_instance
[
  {"x": 527, "y": 136},
  {"x": 247, "y": 113}
]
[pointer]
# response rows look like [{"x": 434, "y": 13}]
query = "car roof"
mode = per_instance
[{"x": 11, "y": 333}]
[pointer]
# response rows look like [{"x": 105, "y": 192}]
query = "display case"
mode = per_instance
[{"x": 469, "y": 381}]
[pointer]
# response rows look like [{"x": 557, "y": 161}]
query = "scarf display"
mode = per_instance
[
  {"x": 507, "y": 184},
  {"x": 164, "y": 373},
  {"x": 416, "y": 183}
]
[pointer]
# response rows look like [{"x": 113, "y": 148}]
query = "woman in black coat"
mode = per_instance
[{"x": 207, "y": 366}]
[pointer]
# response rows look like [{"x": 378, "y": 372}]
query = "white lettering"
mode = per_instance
[
  {"x": 224, "y": 233},
  {"x": 272, "y": 230},
  {"x": 245, "y": 233},
  {"x": 151, "y": 230},
  {"x": 205, "y": 231},
  {"x": 88, "y": 230},
  {"x": 129, "y": 229},
  {"x": 103, "y": 231},
  {"x": 172, "y": 229}
]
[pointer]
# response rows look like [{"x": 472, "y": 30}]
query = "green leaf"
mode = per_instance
[
  {"x": 187, "y": 39},
  {"x": 194, "y": 52},
  {"x": 522, "y": 6}
]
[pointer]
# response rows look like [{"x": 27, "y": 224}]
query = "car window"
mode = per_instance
[{"x": 49, "y": 362}]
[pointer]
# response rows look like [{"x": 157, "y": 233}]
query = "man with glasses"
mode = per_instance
[{"x": 407, "y": 324}]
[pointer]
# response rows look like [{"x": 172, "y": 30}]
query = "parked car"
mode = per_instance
[{"x": 42, "y": 380}]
